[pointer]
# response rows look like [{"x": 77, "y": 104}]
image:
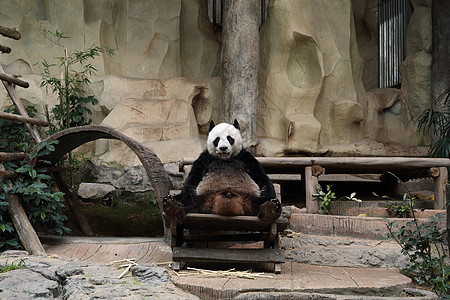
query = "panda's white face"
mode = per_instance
[{"x": 224, "y": 141}]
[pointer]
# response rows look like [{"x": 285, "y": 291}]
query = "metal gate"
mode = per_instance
[{"x": 393, "y": 18}]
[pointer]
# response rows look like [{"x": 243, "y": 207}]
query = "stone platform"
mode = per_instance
[{"x": 298, "y": 280}]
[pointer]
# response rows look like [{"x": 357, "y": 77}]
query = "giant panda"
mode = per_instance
[{"x": 226, "y": 180}]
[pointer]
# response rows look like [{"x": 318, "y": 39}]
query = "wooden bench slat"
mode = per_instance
[
  {"x": 236, "y": 237},
  {"x": 228, "y": 255},
  {"x": 219, "y": 222}
]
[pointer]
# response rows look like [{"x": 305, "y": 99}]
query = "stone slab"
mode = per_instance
[{"x": 295, "y": 278}]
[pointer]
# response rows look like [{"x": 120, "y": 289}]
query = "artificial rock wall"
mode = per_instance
[{"x": 318, "y": 74}]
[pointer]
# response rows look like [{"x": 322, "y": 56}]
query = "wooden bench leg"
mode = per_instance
[
  {"x": 277, "y": 268},
  {"x": 439, "y": 188},
  {"x": 310, "y": 188},
  {"x": 176, "y": 265}
]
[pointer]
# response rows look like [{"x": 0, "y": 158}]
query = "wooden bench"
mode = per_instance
[
  {"x": 211, "y": 238},
  {"x": 207, "y": 238}
]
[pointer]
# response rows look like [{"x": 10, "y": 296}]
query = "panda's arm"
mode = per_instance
[
  {"x": 188, "y": 192},
  {"x": 258, "y": 175}
]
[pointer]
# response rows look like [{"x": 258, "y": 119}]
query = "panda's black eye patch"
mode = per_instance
[
  {"x": 230, "y": 140},
  {"x": 216, "y": 141}
]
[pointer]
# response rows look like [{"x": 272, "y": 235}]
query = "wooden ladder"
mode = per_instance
[{"x": 25, "y": 230}]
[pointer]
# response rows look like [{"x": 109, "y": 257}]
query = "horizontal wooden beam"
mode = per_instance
[
  {"x": 20, "y": 108},
  {"x": 23, "y": 119},
  {"x": 228, "y": 255},
  {"x": 10, "y": 32},
  {"x": 13, "y": 80},
  {"x": 6, "y": 156},
  {"x": 353, "y": 164}
]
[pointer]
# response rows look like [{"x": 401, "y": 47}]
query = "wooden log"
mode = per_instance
[
  {"x": 355, "y": 164},
  {"x": 28, "y": 120},
  {"x": 310, "y": 188},
  {"x": 20, "y": 108},
  {"x": 6, "y": 156},
  {"x": 13, "y": 80},
  {"x": 5, "y": 49},
  {"x": 10, "y": 32},
  {"x": 440, "y": 193},
  {"x": 348, "y": 163},
  {"x": 73, "y": 204},
  {"x": 5, "y": 174},
  {"x": 410, "y": 174},
  {"x": 24, "y": 229}
]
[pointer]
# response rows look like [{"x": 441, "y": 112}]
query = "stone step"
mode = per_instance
[
  {"x": 337, "y": 251},
  {"x": 351, "y": 226}
]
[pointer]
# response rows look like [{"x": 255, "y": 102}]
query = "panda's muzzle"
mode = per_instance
[{"x": 223, "y": 152}]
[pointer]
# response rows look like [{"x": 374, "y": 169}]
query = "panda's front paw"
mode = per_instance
[
  {"x": 277, "y": 203},
  {"x": 270, "y": 210},
  {"x": 173, "y": 209},
  {"x": 167, "y": 198}
]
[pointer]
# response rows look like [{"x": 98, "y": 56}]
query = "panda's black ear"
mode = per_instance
[
  {"x": 236, "y": 124},
  {"x": 211, "y": 125}
]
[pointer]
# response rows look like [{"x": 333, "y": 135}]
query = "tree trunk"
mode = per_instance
[
  {"x": 240, "y": 64},
  {"x": 441, "y": 44},
  {"x": 440, "y": 61},
  {"x": 73, "y": 204}
]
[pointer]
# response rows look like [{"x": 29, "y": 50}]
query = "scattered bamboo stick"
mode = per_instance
[
  {"x": 228, "y": 273},
  {"x": 124, "y": 263}
]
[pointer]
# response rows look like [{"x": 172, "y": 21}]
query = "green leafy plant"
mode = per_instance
[
  {"x": 41, "y": 203},
  {"x": 12, "y": 266},
  {"x": 423, "y": 243},
  {"x": 437, "y": 122},
  {"x": 405, "y": 210},
  {"x": 324, "y": 198},
  {"x": 76, "y": 68},
  {"x": 14, "y": 137}
]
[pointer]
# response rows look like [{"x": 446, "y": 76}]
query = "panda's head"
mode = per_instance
[{"x": 224, "y": 140}]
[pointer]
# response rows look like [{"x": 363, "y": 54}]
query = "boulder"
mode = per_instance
[
  {"x": 26, "y": 284},
  {"x": 94, "y": 190}
]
